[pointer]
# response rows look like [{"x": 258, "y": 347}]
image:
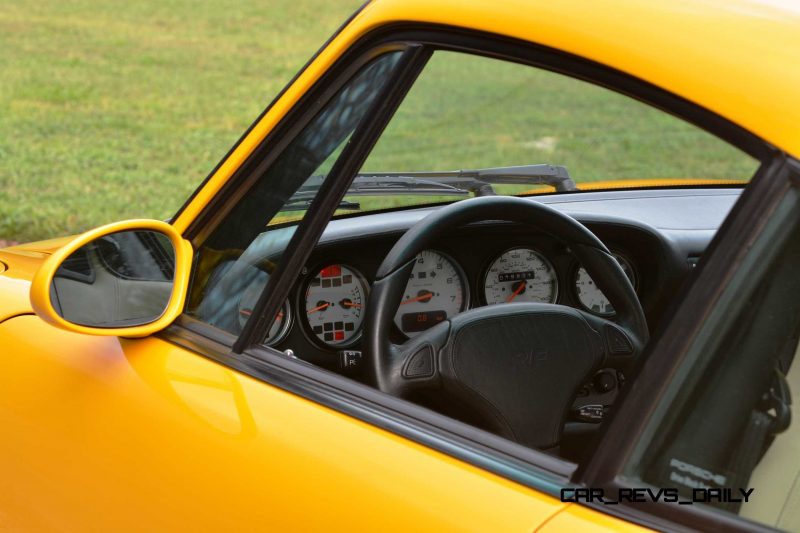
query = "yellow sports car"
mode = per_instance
[{"x": 489, "y": 266}]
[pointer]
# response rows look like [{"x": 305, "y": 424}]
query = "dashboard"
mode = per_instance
[{"x": 656, "y": 235}]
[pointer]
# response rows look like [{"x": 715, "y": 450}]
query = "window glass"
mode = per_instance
[
  {"x": 235, "y": 261},
  {"x": 726, "y": 421},
  {"x": 469, "y": 112},
  {"x": 464, "y": 122}
]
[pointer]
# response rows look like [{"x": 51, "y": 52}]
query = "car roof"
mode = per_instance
[{"x": 737, "y": 58}]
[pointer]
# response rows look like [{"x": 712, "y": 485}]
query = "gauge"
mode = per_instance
[
  {"x": 520, "y": 275},
  {"x": 436, "y": 290},
  {"x": 334, "y": 304},
  {"x": 590, "y": 296},
  {"x": 283, "y": 320}
]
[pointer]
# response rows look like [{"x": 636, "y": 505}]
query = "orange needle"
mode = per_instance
[
  {"x": 516, "y": 292},
  {"x": 426, "y": 296},
  {"x": 318, "y": 308},
  {"x": 350, "y": 304}
]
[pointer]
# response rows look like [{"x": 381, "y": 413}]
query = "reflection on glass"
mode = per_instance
[
  {"x": 119, "y": 280},
  {"x": 245, "y": 248}
]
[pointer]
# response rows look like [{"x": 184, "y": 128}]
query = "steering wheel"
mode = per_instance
[{"x": 518, "y": 365}]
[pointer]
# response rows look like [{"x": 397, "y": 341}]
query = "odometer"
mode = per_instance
[
  {"x": 435, "y": 291},
  {"x": 334, "y": 304},
  {"x": 520, "y": 275}
]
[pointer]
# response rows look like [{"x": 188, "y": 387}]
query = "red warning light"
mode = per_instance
[{"x": 333, "y": 271}]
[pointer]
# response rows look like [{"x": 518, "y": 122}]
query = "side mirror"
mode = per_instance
[{"x": 124, "y": 279}]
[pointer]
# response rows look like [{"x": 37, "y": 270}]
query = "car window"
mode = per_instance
[
  {"x": 469, "y": 126},
  {"x": 234, "y": 263},
  {"x": 468, "y": 112},
  {"x": 724, "y": 435}
]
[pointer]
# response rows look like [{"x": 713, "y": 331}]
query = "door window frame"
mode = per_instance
[
  {"x": 485, "y": 450},
  {"x": 698, "y": 300}
]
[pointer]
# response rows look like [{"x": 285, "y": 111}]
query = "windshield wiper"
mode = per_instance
[
  {"x": 372, "y": 185},
  {"x": 301, "y": 204},
  {"x": 438, "y": 183},
  {"x": 480, "y": 181}
]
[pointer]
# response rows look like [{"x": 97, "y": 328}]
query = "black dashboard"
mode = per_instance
[{"x": 658, "y": 234}]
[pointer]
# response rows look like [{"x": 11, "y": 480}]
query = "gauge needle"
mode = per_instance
[
  {"x": 421, "y": 298},
  {"x": 318, "y": 308},
  {"x": 348, "y": 304},
  {"x": 516, "y": 292}
]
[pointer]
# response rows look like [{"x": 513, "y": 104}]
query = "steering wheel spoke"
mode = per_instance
[
  {"x": 417, "y": 360},
  {"x": 621, "y": 347},
  {"x": 414, "y": 365}
]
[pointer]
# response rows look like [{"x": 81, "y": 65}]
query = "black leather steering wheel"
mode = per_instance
[{"x": 519, "y": 365}]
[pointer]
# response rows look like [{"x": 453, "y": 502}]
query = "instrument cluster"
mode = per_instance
[{"x": 332, "y": 299}]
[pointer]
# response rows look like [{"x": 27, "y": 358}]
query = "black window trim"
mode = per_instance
[{"x": 485, "y": 450}]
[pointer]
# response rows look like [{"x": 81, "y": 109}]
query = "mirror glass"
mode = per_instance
[{"x": 119, "y": 280}]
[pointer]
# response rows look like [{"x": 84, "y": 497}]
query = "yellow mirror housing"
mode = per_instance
[{"x": 83, "y": 294}]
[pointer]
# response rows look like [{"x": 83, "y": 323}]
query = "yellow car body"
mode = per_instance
[{"x": 113, "y": 433}]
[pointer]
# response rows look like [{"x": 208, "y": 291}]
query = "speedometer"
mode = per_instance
[
  {"x": 435, "y": 291},
  {"x": 334, "y": 304},
  {"x": 591, "y": 297},
  {"x": 520, "y": 275}
]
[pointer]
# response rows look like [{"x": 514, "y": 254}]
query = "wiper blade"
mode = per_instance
[
  {"x": 402, "y": 183},
  {"x": 301, "y": 204},
  {"x": 372, "y": 185},
  {"x": 378, "y": 184},
  {"x": 479, "y": 181},
  {"x": 437, "y": 183}
]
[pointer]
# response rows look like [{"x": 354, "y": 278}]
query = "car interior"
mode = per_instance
[{"x": 647, "y": 231}]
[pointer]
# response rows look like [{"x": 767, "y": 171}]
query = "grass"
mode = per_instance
[
  {"x": 112, "y": 110},
  {"x": 472, "y": 112},
  {"x": 469, "y": 112}
]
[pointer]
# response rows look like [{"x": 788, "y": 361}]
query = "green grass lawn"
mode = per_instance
[{"x": 112, "y": 110}]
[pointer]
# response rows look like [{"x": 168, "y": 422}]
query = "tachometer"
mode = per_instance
[
  {"x": 520, "y": 275},
  {"x": 334, "y": 304},
  {"x": 436, "y": 290},
  {"x": 590, "y": 297}
]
